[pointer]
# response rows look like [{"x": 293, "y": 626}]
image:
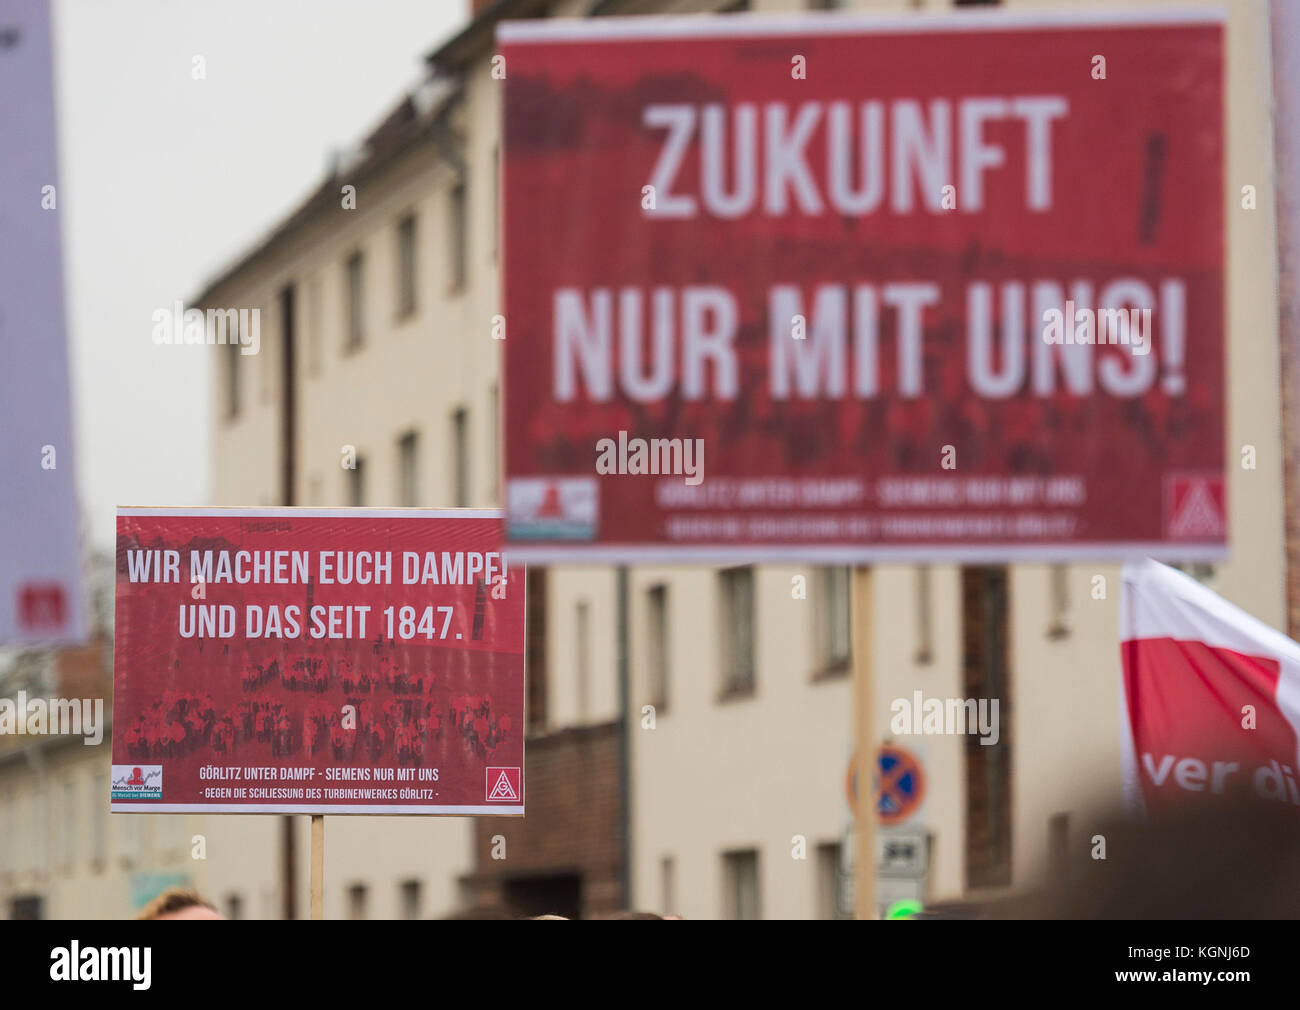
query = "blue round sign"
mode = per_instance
[{"x": 899, "y": 785}]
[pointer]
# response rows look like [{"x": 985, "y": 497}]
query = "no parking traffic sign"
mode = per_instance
[{"x": 899, "y": 787}]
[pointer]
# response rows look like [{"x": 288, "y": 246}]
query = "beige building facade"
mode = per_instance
[{"x": 379, "y": 370}]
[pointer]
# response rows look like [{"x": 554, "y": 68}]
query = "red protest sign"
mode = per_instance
[
  {"x": 859, "y": 288},
  {"x": 317, "y": 661}
]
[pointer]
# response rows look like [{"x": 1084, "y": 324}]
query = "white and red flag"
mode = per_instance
[{"x": 1211, "y": 699}]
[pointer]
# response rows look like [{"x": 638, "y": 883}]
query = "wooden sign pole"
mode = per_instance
[
  {"x": 864, "y": 846},
  {"x": 318, "y": 866}
]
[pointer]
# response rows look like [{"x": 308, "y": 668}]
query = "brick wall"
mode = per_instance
[
  {"x": 986, "y": 674},
  {"x": 84, "y": 670},
  {"x": 571, "y": 793}
]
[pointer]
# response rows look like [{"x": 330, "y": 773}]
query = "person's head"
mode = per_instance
[
  {"x": 484, "y": 912},
  {"x": 179, "y": 903},
  {"x": 629, "y": 914}
]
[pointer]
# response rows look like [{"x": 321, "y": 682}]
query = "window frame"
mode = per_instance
[{"x": 737, "y": 647}]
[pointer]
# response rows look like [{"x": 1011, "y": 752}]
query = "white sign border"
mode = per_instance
[
  {"x": 287, "y": 511},
  {"x": 731, "y": 26}
]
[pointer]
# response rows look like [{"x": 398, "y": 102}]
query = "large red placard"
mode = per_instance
[
  {"x": 860, "y": 288},
  {"x": 317, "y": 661}
]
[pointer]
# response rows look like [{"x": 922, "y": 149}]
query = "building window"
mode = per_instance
[
  {"x": 29, "y": 814},
  {"x": 1058, "y": 850},
  {"x": 737, "y": 627},
  {"x": 408, "y": 485},
  {"x": 657, "y": 645},
  {"x": 68, "y": 827},
  {"x": 535, "y": 648},
  {"x": 26, "y": 907},
  {"x": 460, "y": 457},
  {"x": 22, "y": 843},
  {"x": 582, "y": 654},
  {"x": 459, "y": 236},
  {"x": 356, "y": 308},
  {"x": 8, "y": 818},
  {"x": 740, "y": 880},
  {"x": 234, "y": 376},
  {"x": 924, "y": 617},
  {"x": 411, "y": 899},
  {"x": 406, "y": 266},
  {"x": 357, "y": 901},
  {"x": 269, "y": 356},
  {"x": 129, "y": 842},
  {"x": 41, "y": 856},
  {"x": 1199, "y": 570},
  {"x": 315, "y": 326},
  {"x": 234, "y": 906},
  {"x": 98, "y": 820},
  {"x": 830, "y": 882},
  {"x": 356, "y": 483},
  {"x": 831, "y": 613},
  {"x": 1059, "y": 625},
  {"x": 668, "y": 885}
]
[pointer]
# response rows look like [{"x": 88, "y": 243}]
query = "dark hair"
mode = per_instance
[{"x": 1214, "y": 859}]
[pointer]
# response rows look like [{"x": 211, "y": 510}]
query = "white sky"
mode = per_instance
[{"x": 165, "y": 179}]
